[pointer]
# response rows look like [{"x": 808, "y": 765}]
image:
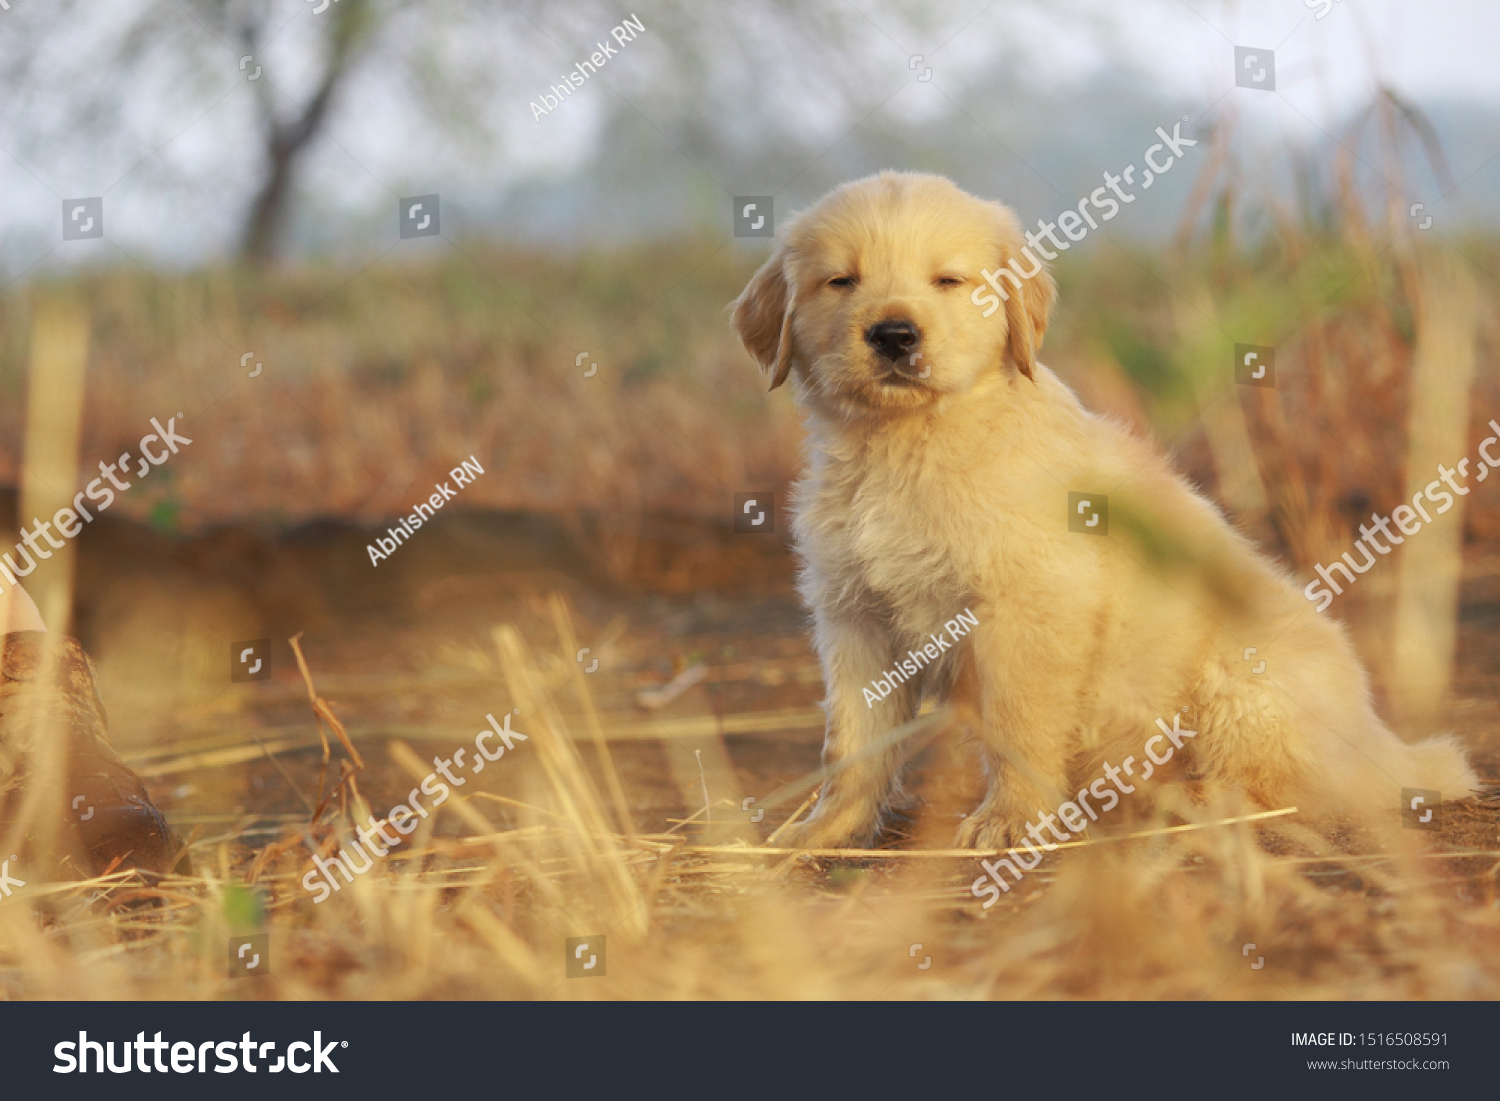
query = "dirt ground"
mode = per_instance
[{"x": 402, "y": 651}]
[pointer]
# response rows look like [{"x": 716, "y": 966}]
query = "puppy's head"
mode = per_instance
[{"x": 877, "y": 300}]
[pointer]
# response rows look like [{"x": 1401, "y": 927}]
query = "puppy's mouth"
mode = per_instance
[{"x": 898, "y": 381}]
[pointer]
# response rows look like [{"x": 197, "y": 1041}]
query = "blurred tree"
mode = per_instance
[
  {"x": 97, "y": 68},
  {"x": 748, "y": 94},
  {"x": 346, "y": 36}
]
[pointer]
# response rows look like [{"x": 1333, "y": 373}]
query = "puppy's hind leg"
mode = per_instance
[{"x": 861, "y": 774}]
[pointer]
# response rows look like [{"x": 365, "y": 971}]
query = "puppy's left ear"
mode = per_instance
[
  {"x": 763, "y": 318},
  {"x": 1026, "y": 314}
]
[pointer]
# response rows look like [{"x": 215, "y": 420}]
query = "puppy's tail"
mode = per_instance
[
  {"x": 1370, "y": 776},
  {"x": 1442, "y": 764}
]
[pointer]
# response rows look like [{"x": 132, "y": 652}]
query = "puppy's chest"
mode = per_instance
[{"x": 899, "y": 541}]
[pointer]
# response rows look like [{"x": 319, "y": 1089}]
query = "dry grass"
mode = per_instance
[
  {"x": 375, "y": 384},
  {"x": 470, "y": 909}
]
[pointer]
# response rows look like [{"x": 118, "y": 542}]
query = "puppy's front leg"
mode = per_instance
[
  {"x": 1027, "y": 689},
  {"x": 861, "y": 780}
]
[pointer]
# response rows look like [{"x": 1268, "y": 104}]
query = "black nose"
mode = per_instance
[{"x": 893, "y": 339}]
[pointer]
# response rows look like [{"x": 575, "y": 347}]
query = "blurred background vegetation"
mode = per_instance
[{"x": 251, "y": 156}]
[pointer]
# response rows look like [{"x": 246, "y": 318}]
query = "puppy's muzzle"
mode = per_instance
[{"x": 895, "y": 339}]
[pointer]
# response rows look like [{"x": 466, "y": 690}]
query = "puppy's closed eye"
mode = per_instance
[{"x": 844, "y": 281}]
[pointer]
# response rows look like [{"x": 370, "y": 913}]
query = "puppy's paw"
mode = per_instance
[
  {"x": 830, "y": 831},
  {"x": 991, "y": 831}
]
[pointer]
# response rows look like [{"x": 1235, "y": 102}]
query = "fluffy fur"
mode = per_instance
[{"x": 938, "y": 480}]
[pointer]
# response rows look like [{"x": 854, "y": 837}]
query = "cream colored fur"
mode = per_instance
[{"x": 927, "y": 496}]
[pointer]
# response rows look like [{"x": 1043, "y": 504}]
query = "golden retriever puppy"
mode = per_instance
[{"x": 941, "y": 459}]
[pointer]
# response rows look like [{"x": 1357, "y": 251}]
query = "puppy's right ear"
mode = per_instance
[{"x": 763, "y": 318}]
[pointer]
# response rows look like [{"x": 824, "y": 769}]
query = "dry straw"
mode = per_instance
[{"x": 468, "y": 907}]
